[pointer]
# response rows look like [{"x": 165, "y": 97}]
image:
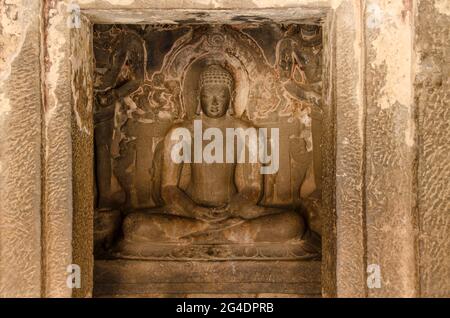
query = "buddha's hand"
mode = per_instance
[
  {"x": 244, "y": 208},
  {"x": 211, "y": 214}
]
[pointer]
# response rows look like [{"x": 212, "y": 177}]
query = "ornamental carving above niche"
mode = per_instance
[{"x": 153, "y": 80}]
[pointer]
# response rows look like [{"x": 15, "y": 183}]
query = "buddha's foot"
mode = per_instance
[
  {"x": 154, "y": 235},
  {"x": 155, "y": 226}
]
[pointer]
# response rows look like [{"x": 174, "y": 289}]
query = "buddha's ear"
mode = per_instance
[
  {"x": 230, "y": 110},
  {"x": 231, "y": 105},
  {"x": 232, "y": 95},
  {"x": 198, "y": 110}
]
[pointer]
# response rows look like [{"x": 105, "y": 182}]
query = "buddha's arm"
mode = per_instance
[
  {"x": 177, "y": 202},
  {"x": 249, "y": 182}
]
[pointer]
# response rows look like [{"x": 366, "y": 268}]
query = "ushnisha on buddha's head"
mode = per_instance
[{"x": 216, "y": 87}]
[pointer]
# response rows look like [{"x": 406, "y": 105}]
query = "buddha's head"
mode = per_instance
[{"x": 216, "y": 91}]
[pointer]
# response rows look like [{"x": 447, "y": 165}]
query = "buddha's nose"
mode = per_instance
[{"x": 214, "y": 101}]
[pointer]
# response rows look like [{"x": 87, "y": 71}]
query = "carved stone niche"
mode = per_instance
[{"x": 163, "y": 228}]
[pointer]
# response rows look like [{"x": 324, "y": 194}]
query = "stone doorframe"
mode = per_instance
[{"x": 357, "y": 232}]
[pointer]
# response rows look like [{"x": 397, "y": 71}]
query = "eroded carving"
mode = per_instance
[{"x": 148, "y": 85}]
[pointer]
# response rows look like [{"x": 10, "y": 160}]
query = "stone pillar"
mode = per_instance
[
  {"x": 57, "y": 152},
  {"x": 432, "y": 95},
  {"x": 81, "y": 60},
  {"x": 390, "y": 184},
  {"x": 20, "y": 149},
  {"x": 68, "y": 150},
  {"x": 350, "y": 266}
]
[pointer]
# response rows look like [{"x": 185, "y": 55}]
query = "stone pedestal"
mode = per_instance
[{"x": 133, "y": 278}]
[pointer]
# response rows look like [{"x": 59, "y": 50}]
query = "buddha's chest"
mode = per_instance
[
  {"x": 213, "y": 183},
  {"x": 216, "y": 174}
]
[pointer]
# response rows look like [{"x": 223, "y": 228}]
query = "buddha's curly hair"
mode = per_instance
[{"x": 216, "y": 74}]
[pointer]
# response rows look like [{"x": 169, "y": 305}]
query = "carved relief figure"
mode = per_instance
[
  {"x": 221, "y": 199},
  {"x": 298, "y": 65},
  {"x": 117, "y": 80},
  {"x": 164, "y": 209}
]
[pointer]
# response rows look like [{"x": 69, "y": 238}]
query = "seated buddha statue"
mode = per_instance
[{"x": 219, "y": 202}]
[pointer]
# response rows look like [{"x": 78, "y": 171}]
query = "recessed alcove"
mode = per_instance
[
  {"x": 312, "y": 112},
  {"x": 146, "y": 81}
]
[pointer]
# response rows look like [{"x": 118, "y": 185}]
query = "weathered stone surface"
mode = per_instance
[
  {"x": 200, "y": 16},
  {"x": 68, "y": 152},
  {"x": 200, "y": 4},
  {"x": 328, "y": 148},
  {"x": 57, "y": 174},
  {"x": 349, "y": 127},
  {"x": 390, "y": 148},
  {"x": 20, "y": 149},
  {"x": 432, "y": 95},
  {"x": 184, "y": 278},
  {"x": 83, "y": 154}
]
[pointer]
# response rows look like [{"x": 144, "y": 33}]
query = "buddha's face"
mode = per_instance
[{"x": 215, "y": 100}]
